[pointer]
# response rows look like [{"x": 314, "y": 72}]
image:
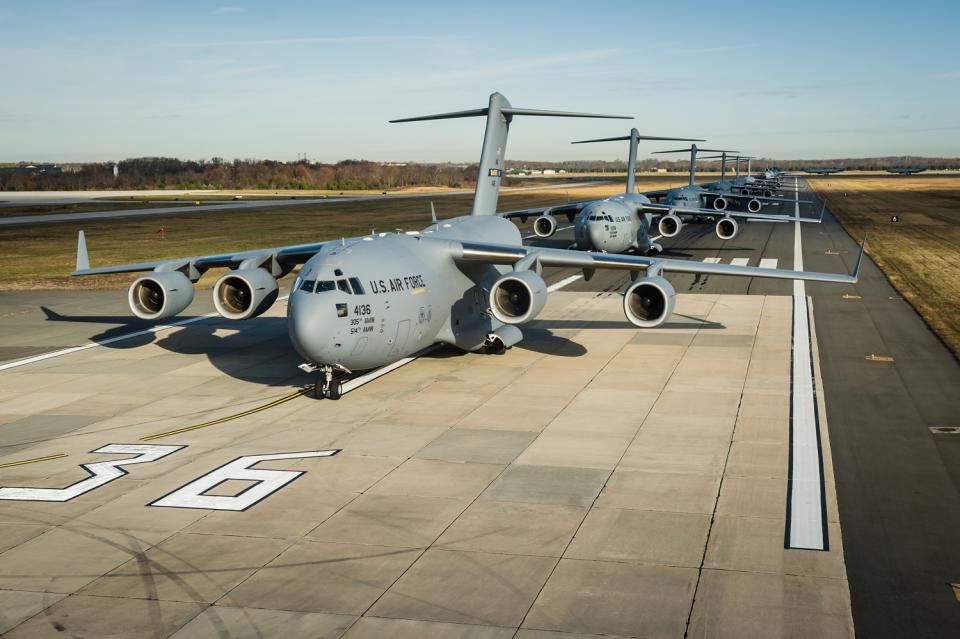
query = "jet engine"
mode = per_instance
[
  {"x": 649, "y": 301},
  {"x": 244, "y": 293},
  {"x": 545, "y": 225},
  {"x": 669, "y": 225},
  {"x": 754, "y": 205},
  {"x": 727, "y": 228},
  {"x": 518, "y": 297},
  {"x": 160, "y": 294},
  {"x": 767, "y": 193},
  {"x": 720, "y": 203}
]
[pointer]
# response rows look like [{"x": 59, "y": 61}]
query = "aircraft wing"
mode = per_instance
[
  {"x": 196, "y": 265},
  {"x": 744, "y": 196},
  {"x": 570, "y": 209},
  {"x": 658, "y": 194},
  {"x": 666, "y": 209},
  {"x": 531, "y": 256}
]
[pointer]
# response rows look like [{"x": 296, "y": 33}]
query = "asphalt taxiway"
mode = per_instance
[{"x": 596, "y": 479}]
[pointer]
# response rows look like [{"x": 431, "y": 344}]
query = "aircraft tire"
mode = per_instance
[{"x": 336, "y": 389}]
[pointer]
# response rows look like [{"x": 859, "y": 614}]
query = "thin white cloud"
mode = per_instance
[
  {"x": 310, "y": 40},
  {"x": 723, "y": 49},
  {"x": 225, "y": 10}
]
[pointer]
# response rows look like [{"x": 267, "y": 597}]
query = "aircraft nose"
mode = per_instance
[
  {"x": 597, "y": 235},
  {"x": 308, "y": 325}
]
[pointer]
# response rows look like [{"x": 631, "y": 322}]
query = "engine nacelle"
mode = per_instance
[
  {"x": 160, "y": 295},
  {"x": 754, "y": 205},
  {"x": 518, "y": 297},
  {"x": 545, "y": 225},
  {"x": 720, "y": 203},
  {"x": 669, "y": 225},
  {"x": 727, "y": 228},
  {"x": 244, "y": 293},
  {"x": 649, "y": 302},
  {"x": 767, "y": 193}
]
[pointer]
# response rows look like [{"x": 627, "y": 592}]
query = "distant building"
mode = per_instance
[{"x": 33, "y": 169}]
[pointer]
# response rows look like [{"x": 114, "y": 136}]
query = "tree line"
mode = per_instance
[{"x": 216, "y": 173}]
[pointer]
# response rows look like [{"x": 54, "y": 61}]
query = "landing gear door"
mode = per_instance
[{"x": 400, "y": 341}]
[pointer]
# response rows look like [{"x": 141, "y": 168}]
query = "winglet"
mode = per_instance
[
  {"x": 83, "y": 261},
  {"x": 856, "y": 267},
  {"x": 433, "y": 212}
]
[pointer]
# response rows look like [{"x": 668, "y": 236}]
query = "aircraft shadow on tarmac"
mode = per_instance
[{"x": 260, "y": 350}]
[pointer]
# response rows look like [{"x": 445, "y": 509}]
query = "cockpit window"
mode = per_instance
[
  {"x": 307, "y": 286},
  {"x": 325, "y": 285},
  {"x": 343, "y": 286},
  {"x": 357, "y": 286}
]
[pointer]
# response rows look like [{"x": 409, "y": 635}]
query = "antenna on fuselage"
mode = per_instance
[
  {"x": 499, "y": 113},
  {"x": 634, "y": 138}
]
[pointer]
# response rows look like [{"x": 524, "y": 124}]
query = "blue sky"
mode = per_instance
[{"x": 108, "y": 79}]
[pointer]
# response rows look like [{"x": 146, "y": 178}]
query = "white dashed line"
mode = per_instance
[
  {"x": 768, "y": 262},
  {"x": 712, "y": 260},
  {"x": 740, "y": 261}
]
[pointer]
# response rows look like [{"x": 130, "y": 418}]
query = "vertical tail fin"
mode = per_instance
[
  {"x": 634, "y": 138},
  {"x": 499, "y": 114}
]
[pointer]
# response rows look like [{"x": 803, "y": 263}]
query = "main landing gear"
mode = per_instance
[{"x": 655, "y": 249}]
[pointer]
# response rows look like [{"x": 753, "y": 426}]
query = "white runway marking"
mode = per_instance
[
  {"x": 740, "y": 261},
  {"x": 768, "y": 262},
  {"x": 712, "y": 260},
  {"x": 564, "y": 282},
  {"x": 806, "y": 527},
  {"x": 109, "y": 340}
]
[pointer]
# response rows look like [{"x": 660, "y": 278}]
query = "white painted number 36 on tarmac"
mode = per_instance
[{"x": 192, "y": 495}]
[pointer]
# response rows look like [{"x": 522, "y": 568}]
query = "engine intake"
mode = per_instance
[
  {"x": 669, "y": 225},
  {"x": 767, "y": 193},
  {"x": 244, "y": 293},
  {"x": 727, "y": 228},
  {"x": 160, "y": 295},
  {"x": 518, "y": 297},
  {"x": 720, "y": 203},
  {"x": 754, "y": 205},
  {"x": 545, "y": 225},
  {"x": 649, "y": 302}
]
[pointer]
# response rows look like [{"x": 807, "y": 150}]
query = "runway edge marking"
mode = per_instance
[{"x": 806, "y": 512}]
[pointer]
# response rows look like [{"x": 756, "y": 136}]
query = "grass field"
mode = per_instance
[
  {"x": 920, "y": 254},
  {"x": 42, "y": 256}
]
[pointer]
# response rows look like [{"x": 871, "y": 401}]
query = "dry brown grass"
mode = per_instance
[
  {"x": 42, "y": 256},
  {"x": 921, "y": 253}
]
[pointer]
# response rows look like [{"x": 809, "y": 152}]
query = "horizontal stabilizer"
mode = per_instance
[
  {"x": 639, "y": 137},
  {"x": 698, "y": 150},
  {"x": 511, "y": 111}
]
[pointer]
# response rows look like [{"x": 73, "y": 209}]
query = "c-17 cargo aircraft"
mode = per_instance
[
  {"x": 366, "y": 302},
  {"x": 622, "y": 222},
  {"x": 908, "y": 170}
]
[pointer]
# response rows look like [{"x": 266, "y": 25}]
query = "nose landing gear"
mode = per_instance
[{"x": 329, "y": 382}]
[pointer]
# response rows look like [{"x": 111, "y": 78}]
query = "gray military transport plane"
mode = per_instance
[
  {"x": 366, "y": 302},
  {"x": 622, "y": 222}
]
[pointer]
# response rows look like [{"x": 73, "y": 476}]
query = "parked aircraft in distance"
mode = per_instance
[
  {"x": 826, "y": 171},
  {"x": 911, "y": 170}
]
